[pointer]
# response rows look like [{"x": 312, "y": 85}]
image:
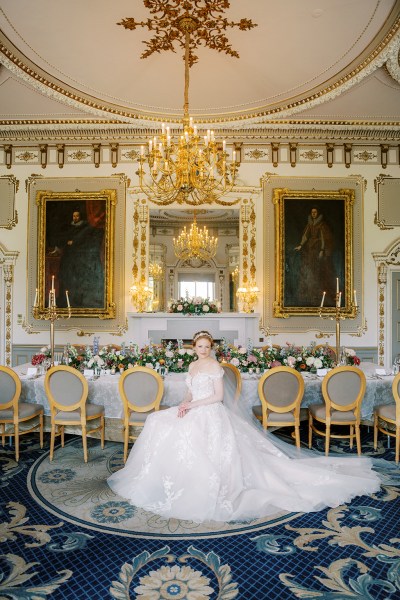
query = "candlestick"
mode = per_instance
[
  {"x": 323, "y": 298},
  {"x": 50, "y": 314}
]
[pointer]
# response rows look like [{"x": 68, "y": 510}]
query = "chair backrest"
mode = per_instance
[
  {"x": 396, "y": 395},
  {"x": 141, "y": 389},
  {"x": 233, "y": 380},
  {"x": 10, "y": 388},
  {"x": 343, "y": 389},
  {"x": 66, "y": 389},
  {"x": 281, "y": 389}
]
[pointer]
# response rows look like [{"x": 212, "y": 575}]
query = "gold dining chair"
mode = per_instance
[
  {"x": 13, "y": 412},
  {"x": 343, "y": 390},
  {"x": 67, "y": 391},
  {"x": 141, "y": 390},
  {"x": 233, "y": 379},
  {"x": 389, "y": 414},
  {"x": 281, "y": 391}
]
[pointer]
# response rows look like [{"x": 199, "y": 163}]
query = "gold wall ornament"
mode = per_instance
[
  {"x": 195, "y": 243},
  {"x": 193, "y": 169}
]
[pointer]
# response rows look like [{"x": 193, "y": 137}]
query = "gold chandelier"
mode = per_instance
[
  {"x": 156, "y": 270},
  {"x": 193, "y": 169},
  {"x": 195, "y": 243}
]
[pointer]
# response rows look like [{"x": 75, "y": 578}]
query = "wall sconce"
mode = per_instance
[
  {"x": 60, "y": 155},
  {"x": 347, "y": 155},
  {"x": 248, "y": 297},
  {"x": 114, "y": 155},
  {"x": 43, "y": 155},
  {"x": 384, "y": 155},
  {"x": 275, "y": 154},
  {"x": 8, "y": 157},
  {"x": 329, "y": 154},
  {"x": 96, "y": 155},
  {"x": 293, "y": 153},
  {"x": 140, "y": 294}
]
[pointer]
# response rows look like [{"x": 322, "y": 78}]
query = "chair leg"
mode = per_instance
[
  {"x": 3, "y": 434},
  {"x": 102, "y": 431},
  {"x": 375, "y": 431},
  {"x": 126, "y": 442},
  {"x": 16, "y": 436},
  {"x": 358, "y": 439},
  {"x": 327, "y": 439},
  {"x": 62, "y": 436},
  {"x": 297, "y": 435},
  {"x": 52, "y": 440},
  {"x": 351, "y": 436},
  {"x": 310, "y": 420},
  {"x": 84, "y": 443},
  {"x": 397, "y": 444},
  {"x": 41, "y": 429}
]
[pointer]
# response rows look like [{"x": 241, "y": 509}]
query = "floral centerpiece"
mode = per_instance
[
  {"x": 40, "y": 357},
  {"x": 301, "y": 358},
  {"x": 174, "y": 358},
  {"x": 194, "y": 306},
  {"x": 351, "y": 357}
]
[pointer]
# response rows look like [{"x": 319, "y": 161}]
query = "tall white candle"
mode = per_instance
[
  {"x": 355, "y": 298},
  {"x": 66, "y": 294},
  {"x": 339, "y": 302},
  {"x": 323, "y": 298},
  {"x": 52, "y": 283},
  {"x": 36, "y": 298},
  {"x": 337, "y": 285}
]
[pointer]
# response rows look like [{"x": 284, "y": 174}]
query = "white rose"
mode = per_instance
[
  {"x": 149, "y": 365},
  {"x": 182, "y": 351},
  {"x": 206, "y": 308},
  {"x": 349, "y": 351},
  {"x": 310, "y": 361},
  {"x": 291, "y": 361},
  {"x": 318, "y": 363},
  {"x": 179, "y": 307},
  {"x": 242, "y": 351},
  {"x": 43, "y": 350},
  {"x": 235, "y": 362},
  {"x": 169, "y": 354}
]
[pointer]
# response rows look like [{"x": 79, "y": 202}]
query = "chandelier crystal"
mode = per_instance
[{"x": 195, "y": 243}]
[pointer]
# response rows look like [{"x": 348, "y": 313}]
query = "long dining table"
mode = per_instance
[{"x": 104, "y": 390}]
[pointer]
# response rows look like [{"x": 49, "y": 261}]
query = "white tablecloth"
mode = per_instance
[{"x": 104, "y": 391}]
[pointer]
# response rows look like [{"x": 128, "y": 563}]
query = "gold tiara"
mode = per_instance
[{"x": 201, "y": 334}]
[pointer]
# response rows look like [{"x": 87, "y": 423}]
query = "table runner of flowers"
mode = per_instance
[
  {"x": 194, "y": 306},
  {"x": 174, "y": 358}
]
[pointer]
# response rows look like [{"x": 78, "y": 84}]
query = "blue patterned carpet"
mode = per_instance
[{"x": 63, "y": 535}]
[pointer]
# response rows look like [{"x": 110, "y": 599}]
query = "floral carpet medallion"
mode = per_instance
[{"x": 78, "y": 492}]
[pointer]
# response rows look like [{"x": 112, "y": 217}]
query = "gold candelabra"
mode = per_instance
[
  {"x": 248, "y": 297},
  {"x": 338, "y": 315},
  {"x": 140, "y": 294},
  {"x": 50, "y": 314}
]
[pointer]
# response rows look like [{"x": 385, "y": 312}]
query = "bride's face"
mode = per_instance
[{"x": 202, "y": 348}]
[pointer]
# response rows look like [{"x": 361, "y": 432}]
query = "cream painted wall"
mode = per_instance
[{"x": 375, "y": 240}]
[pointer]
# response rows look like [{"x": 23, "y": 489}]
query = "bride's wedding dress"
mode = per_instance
[{"x": 213, "y": 464}]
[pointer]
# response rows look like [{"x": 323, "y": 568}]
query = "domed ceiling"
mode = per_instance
[{"x": 308, "y": 61}]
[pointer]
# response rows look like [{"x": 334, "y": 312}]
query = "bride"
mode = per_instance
[{"x": 205, "y": 461}]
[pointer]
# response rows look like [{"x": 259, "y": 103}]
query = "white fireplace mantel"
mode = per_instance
[{"x": 236, "y": 328}]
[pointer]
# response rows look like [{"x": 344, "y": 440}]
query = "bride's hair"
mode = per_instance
[{"x": 203, "y": 334}]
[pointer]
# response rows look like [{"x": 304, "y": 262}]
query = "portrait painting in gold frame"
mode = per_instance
[
  {"x": 76, "y": 251},
  {"x": 313, "y": 251}
]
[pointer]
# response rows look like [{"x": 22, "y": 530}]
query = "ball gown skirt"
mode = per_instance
[{"x": 212, "y": 464}]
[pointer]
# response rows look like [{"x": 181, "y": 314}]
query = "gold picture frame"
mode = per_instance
[
  {"x": 313, "y": 251},
  {"x": 75, "y": 252}
]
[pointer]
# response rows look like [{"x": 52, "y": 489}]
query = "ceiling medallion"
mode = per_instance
[{"x": 194, "y": 169}]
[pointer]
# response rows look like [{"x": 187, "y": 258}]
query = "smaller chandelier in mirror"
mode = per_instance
[
  {"x": 156, "y": 271},
  {"x": 195, "y": 243}
]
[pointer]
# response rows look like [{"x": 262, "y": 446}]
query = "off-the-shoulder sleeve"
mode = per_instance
[{"x": 218, "y": 374}]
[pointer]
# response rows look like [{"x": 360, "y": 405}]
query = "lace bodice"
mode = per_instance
[{"x": 201, "y": 384}]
